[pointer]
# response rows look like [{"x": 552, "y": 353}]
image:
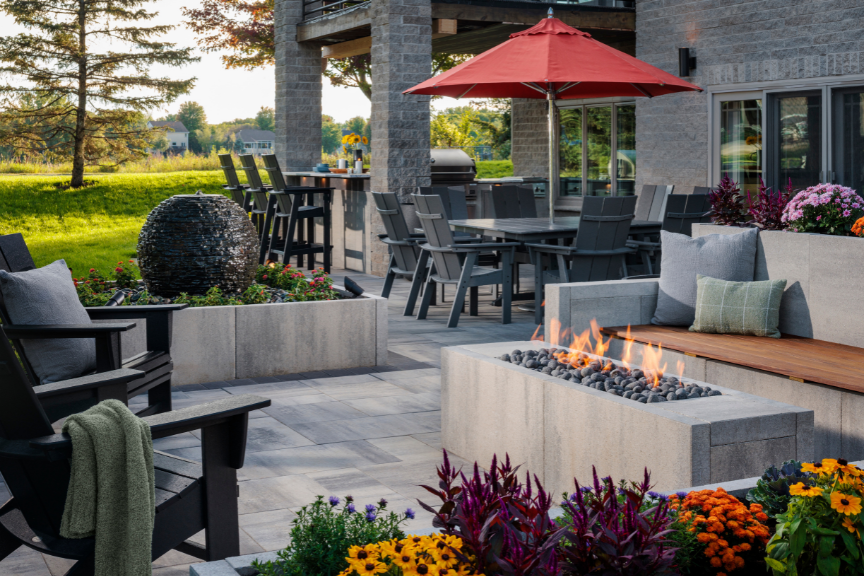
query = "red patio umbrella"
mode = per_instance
[{"x": 557, "y": 62}]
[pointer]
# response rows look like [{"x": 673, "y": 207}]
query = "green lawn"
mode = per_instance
[
  {"x": 92, "y": 227},
  {"x": 96, "y": 226}
]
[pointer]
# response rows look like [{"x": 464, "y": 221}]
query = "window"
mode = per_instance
[
  {"x": 812, "y": 134},
  {"x": 249, "y": 146},
  {"x": 603, "y": 162}
]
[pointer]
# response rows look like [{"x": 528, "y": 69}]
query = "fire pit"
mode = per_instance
[
  {"x": 493, "y": 402},
  {"x": 645, "y": 386}
]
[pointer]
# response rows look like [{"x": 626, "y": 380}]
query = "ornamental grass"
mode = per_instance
[{"x": 733, "y": 534}]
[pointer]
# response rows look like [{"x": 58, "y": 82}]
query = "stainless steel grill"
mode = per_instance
[{"x": 452, "y": 167}]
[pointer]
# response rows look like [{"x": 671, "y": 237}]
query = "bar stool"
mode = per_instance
[{"x": 290, "y": 213}]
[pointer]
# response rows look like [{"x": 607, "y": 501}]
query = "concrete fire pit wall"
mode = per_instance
[
  {"x": 823, "y": 300},
  {"x": 558, "y": 430},
  {"x": 216, "y": 343}
]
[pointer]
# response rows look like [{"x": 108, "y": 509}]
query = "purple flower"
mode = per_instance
[
  {"x": 409, "y": 513},
  {"x": 334, "y": 501},
  {"x": 681, "y": 495},
  {"x": 370, "y": 508},
  {"x": 586, "y": 489},
  {"x": 847, "y": 213},
  {"x": 573, "y": 497},
  {"x": 382, "y": 503},
  {"x": 654, "y": 494},
  {"x": 370, "y": 516},
  {"x": 351, "y": 509}
]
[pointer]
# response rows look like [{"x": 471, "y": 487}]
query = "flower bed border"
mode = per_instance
[{"x": 219, "y": 343}]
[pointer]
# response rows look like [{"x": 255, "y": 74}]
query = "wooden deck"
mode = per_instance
[{"x": 803, "y": 359}]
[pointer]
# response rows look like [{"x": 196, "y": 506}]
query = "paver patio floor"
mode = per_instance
[{"x": 370, "y": 433}]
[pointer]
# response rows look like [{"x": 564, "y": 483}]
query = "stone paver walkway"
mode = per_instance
[{"x": 372, "y": 433}]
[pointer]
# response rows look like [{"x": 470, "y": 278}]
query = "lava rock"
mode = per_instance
[
  {"x": 546, "y": 370},
  {"x": 530, "y": 364},
  {"x": 614, "y": 392},
  {"x": 692, "y": 395},
  {"x": 587, "y": 371},
  {"x": 671, "y": 396},
  {"x": 715, "y": 393}
]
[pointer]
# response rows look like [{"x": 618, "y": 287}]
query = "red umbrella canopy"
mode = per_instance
[{"x": 552, "y": 55}]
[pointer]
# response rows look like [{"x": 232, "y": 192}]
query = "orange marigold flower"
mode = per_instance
[
  {"x": 703, "y": 537},
  {"x": 762, "y": 517},
  {"x": 716, "y": 562},
  {"x": 739, "y": 562},
  {"x": 723, "y": 543},
  {"x": 745, "y": 546}
]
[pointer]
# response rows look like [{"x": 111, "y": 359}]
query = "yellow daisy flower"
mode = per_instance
[
  {"x": 847, "y": 469},
  {"x": 829, "y": 465},
  {"x": 846, "y": 503},
  {"x": 362, "y": 554},
  {"x": 405, "y": 561},
  {"x": 814, "y": 468},
  {"x": 443, "y": 556},
  {"x": 422, "y": 569},
  {"x": 800, "y": 489},
  {"x": 370, "y": 568},
  {"x": 850, "y": 526}
]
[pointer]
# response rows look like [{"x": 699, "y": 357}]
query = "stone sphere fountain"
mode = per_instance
[{"x": 193, "y": 242}]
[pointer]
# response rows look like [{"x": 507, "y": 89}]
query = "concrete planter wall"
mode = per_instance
[{"x": 226, "y": 342}]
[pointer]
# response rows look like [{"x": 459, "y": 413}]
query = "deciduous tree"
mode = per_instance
[
  {"x": 266, "y": 119},
  {"x": 86, "y": 63}
]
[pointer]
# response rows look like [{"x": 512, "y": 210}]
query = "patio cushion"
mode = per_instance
[
  {"x": 724, "y": 257},
  {"x": 42, "y": 296},
  {"x": 751, "y": 308}
]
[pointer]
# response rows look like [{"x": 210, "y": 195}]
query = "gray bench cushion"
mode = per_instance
[
  {"x": 731, "y": 257},
  {"x": 47, "y": 295}
]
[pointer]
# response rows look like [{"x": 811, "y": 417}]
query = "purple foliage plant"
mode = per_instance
[
  {"x": 504, "y": 525},
  {"x": 727, "y": 203},
  {"x": 609, "y": 535},
  {"x": 767, "y": 208}
]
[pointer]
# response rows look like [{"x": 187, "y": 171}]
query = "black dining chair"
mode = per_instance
[
  {"x": 449, "y": 268},
  {"x": 598, "y": 252},
  {"x": 402, "y": 244}
]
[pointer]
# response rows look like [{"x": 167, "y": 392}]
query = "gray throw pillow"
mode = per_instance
[
  {"x": 47, "y": 296},
  {"x": 725, "y": 257}
]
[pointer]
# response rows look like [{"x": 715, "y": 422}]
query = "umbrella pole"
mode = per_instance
[{"x": 554, "y": 143}]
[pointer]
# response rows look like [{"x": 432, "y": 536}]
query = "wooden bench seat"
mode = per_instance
[{"x": 801, "y": 359}]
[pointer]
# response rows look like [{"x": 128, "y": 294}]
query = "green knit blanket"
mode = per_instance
[{"x": 112, "y": 489}]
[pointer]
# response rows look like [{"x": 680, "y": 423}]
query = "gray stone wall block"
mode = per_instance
[
  {"x": 529, "y": 126},
  {"x": 298, "y": 91},
  {"x": 733, "y": 461},
  {"x": 734, "y": 42},
  {"x": 202, "y": 347}
]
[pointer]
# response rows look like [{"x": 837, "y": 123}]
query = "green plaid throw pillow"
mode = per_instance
[{"x": 738, "y": 307}]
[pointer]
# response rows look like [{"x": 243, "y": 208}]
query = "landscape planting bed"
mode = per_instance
[{"x": 558, "y": 428}]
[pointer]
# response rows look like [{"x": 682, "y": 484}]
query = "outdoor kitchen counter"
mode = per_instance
[{"x": 354, "y": 219}]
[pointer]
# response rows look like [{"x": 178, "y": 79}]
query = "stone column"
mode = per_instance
[
  {"x": 298, "y": 92},
  {"x": 401, "y": 58},
  {"x": 529, "y": 128}
]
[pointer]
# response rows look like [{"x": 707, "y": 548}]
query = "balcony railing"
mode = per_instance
[{"x": 316, "y": 8}]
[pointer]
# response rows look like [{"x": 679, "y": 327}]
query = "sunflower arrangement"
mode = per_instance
[
  {"x": 354, "y": 140},
  {"x": 436, "y": 555},
  {"x": 732, "y": 533},
  {"x": 820, "y": 533}
]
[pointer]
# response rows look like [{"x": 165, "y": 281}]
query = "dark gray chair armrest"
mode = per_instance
[
  {"x": 159, "y": 321},
  {"x": 484, "y": 246},
  {"x": 642, "y": 277},
  {"x": 39, "y": 332},
  {"x": 59, "y": 446},
  {"x": 98, "y": 380}
]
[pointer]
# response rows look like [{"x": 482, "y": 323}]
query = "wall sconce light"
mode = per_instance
[{"x": 686, "y": 63}]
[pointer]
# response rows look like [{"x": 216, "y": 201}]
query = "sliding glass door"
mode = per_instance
[
  {"x": 848, "y": 127},
  {"x": 797, "y": 139},
  {"x": 598, "y": 150},
  {"x": 741, "y": 141}
]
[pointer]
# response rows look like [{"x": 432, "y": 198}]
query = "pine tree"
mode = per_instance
[{"x": 78, "y": 81}]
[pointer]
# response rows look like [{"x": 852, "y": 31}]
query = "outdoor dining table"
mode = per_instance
[{"x": 538, "y": 230}]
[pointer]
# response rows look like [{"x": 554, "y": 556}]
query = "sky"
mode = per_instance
[{"x": 230, "y": 94}]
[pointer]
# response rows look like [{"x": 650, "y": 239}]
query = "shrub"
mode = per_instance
[
  {"x": 821, "y": 531},
  {"x": 727, "y": 204},
  {"x": 772, "y": 489},
  {"x": 504, "y": 526},
  {"x": 322, "y": 536},
  {"x": 824, "y": 209},
  {"x": 767, "y": 208},
  {"x": 732, "y": 535},
  {"x": 617, "y": 531}
]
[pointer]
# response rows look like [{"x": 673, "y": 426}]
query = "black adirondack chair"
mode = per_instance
[
  {"x": 449, "y": 268},
  {"x": 155, "y": 364},
  {"x": 239, "y": 193},
  {"x": 291, "y": 214},
  {"x": 598, "y": 252},
  {"x": 34, "y": 462},
  {"x": 402, "y": 244}
]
